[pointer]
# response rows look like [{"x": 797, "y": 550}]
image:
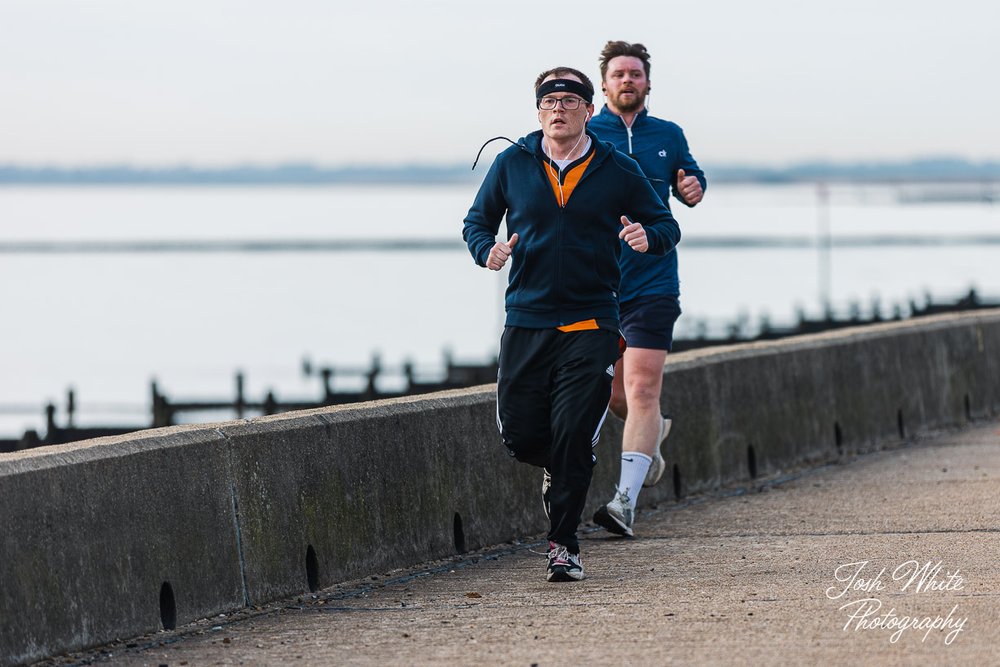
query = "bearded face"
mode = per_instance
[{"x": 626, "y": 84}]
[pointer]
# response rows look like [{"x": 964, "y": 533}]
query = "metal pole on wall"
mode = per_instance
[{"x": 824, "y": 245}]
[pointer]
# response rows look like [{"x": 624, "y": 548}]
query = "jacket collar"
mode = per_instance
[
  {"x": 611, "y": 115},
  {"x": 532, "y": 143}
]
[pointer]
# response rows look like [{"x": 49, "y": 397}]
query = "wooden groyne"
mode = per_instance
[{"x": 165, "y": 410}]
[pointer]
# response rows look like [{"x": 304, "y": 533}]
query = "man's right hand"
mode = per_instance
[{"x": 499, "y": 253}]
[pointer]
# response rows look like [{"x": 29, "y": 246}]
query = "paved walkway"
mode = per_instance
[{"x": 757, "y": 578}]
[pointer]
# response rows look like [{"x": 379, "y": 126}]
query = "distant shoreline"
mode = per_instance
[{"x": 930, "y": 170}]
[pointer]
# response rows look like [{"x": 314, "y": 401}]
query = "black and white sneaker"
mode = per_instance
[
  {"x": 563, "y": 565},
  {"x": 616, "y": 516}
]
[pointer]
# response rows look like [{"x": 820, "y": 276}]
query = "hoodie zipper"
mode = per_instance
[{"x": 561, "y": 223}]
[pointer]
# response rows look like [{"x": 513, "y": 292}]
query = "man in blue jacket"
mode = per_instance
[
  {"x": 650, "y": 288},
  {"x": 570, "y": 201}
]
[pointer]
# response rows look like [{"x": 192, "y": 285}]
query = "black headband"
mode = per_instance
[{"x": 564, "y": 86}]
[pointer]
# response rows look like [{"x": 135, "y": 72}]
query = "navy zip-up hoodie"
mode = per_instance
[
  {"x": 660, "y": 148},
  {"x": 564, "y": 267}
]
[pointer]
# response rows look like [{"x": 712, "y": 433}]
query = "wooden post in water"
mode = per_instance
[
  {"x": 50, "y": 422},
  {"x": 70, "y": 406},
  {"x": 240, "y": 404},
  {"x": 410, "y": 374},
  {"x": 161, "y": 413},
  {"x": 372, "y": 375},
  {"x": 154, "y": 406},
  {"x": 449, "y": 365},
  {"x": 327, "y": 374}
]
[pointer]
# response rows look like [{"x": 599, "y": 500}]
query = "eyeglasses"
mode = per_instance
[{"x": 568, "y": 103}]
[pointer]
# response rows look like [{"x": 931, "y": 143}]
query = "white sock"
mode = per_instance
[{"x": 634, "y": 467}]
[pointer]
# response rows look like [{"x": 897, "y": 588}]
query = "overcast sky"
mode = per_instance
[{"x": 205, "y": 82}]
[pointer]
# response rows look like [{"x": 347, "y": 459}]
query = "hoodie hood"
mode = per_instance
[{"x": 532, "y": 145}]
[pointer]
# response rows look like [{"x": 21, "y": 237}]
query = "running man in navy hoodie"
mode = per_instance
[
  {"x": 650, "y": 289},
  {"x": 569, "y": 201}
]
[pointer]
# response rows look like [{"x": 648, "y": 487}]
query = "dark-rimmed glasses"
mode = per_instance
[{"x": 568, "y": 103}]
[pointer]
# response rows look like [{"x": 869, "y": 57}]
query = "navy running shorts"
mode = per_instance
[{"x": 648, "y": 321}]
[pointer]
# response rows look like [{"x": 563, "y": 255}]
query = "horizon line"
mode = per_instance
[{"x": 293, "y": 164}]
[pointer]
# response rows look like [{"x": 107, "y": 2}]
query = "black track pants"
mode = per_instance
[{"x": 552, "y": 395}]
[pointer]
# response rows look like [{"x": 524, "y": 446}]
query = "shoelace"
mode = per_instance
[{"x": 559, "y": 555}]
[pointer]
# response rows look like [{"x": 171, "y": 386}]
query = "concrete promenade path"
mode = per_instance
[{"x": 891, "y": 558}]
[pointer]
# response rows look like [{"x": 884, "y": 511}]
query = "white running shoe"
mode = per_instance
[
  {"x": 616, "y": 516},
  {"x": 658, "y": 465}
]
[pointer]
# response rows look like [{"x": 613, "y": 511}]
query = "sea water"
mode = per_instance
[{"x": 108, "y": 323}]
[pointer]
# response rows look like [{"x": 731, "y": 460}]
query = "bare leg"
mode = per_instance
[
  {"x": 643, "y": 380},
  {"x": 635, "y": 397}
]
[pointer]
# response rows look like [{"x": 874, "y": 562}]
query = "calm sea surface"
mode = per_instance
[{"x": 107, "y": 323}]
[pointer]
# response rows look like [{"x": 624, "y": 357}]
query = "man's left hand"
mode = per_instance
[
  {"x": 634, "y": 235},
  {"x": 689, "y": 188}
]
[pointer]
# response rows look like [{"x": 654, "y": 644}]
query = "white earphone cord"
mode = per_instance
[{"x": 552, "y": 159}]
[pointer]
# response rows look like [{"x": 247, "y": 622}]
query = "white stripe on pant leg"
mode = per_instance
[
  {"x": 499, "y": 423},
  {"x": 597, "y": 433}
]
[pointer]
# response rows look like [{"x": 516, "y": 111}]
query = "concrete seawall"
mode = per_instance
[{"x": 121, "y": 536}]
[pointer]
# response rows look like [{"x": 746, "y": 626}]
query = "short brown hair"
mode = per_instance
[
  {"x": 560, "y": 71},
  {"x": 614, "y": 49}
]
